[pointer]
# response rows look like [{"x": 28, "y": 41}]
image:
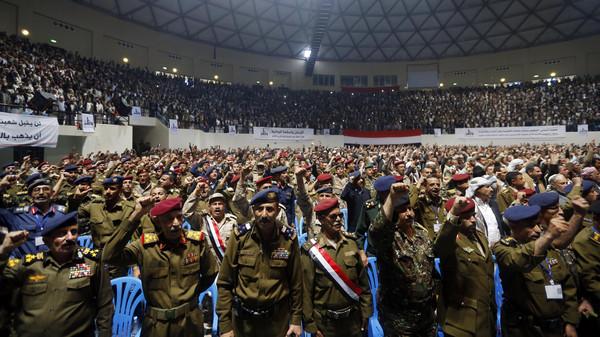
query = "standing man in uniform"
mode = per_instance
[
  {"x": 287, "y": 197},
  {"x": 62, "y": 292},
  {"x": 406, "y": 262},
  {"x": 337, "y": 297},
  {"x": 260, "y": 281},
  {"x": 540, "y": 295},
  {"x": 467, "y": 305},
  {"x": 429, "y": 208},
  {"x": 175, "y": 265}
]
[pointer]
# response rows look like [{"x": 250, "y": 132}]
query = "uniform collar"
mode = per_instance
[
  {"x": 165, "y": 245},
  {"x": 323, "y": 241}
]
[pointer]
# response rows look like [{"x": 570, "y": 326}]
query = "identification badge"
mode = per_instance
[
  {"x": 437, "y": 226},
  {"x": 39, "y": 241},
  {"x": 554, "y": 292}
]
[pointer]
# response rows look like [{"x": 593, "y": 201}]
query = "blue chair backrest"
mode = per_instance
[
  {"x": 186, "y": 225},
  {"x": 213, "y": 292},
  {"x": 499, "y": 293},
  {"x": 375, "y": 329},
  {"x": 345, "y": 212},
  {"x": 302, "y": 238},
  {"x": 85, "y": 241},
  {"x": 300, "y": 226},
  {"x": 128, "y": 296}
]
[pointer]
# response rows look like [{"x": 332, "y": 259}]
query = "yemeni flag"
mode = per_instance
[{"x": 382, "y": 137}]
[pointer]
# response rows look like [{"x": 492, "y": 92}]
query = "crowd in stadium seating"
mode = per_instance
[{"x": 89, "y": 85}]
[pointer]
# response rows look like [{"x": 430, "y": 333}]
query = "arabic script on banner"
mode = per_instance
[{"x": 27, "y": 130}]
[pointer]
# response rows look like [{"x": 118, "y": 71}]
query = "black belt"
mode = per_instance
[
  {"x": 547, "y": 324},
  {"x": 172, "y": 313},
  {"x": 245, "y": 311},
  {"x": 338, "y": 314}
]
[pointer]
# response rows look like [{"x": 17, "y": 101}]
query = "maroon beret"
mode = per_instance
[
  {"x": 166, "y": 206},
  {"x": 528, "y": 192},
  {"x": 326, "y": 205},
  {"x": 235, "y": 178},
  {"x": 461, "y": 177},
  {"x": 324, "y": 177},
  {"x": 128, "y": 178},
  {"x": 470, "y": 205},
  {"x": 261, "y": 181}
]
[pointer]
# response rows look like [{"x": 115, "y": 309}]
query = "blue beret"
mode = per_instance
[
  {"x": 544, "y": 200},
  {"x": 33, "y": 178},
  {"x": 268, "y": 195},
  {"x": 279, "y": 169},
  {"x": 195, "y": 170},
  {"x": 520, "y": 213},
  {"x": 210, "y": 169},
  {"x": 115, "y": 180},
  {"x": 354, "y": 174},
  {"x": 586, "y": 187},
  {"x": 59, "y": 220},
  {"x": 384, "y": 183},
  {"x": 70, "y": 168},
  {"x": 83, "y": 180},
  {"x": 325, "y": 189},
  {"x": 12, "y": 163}
]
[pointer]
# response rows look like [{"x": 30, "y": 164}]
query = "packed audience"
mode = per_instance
[
  {"x": 290, "y": 235},
  {"x": 84, "y": 85}
]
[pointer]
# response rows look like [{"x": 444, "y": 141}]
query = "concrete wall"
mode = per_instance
[{"x": 95, "y": 34}]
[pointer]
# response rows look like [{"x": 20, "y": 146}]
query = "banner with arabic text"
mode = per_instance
[
  {"x": 289, "y": 134},
  {"x": 28, "y": 130},
  {"x": 518, "y": 132},
  {"x": 382, "y": 137}
]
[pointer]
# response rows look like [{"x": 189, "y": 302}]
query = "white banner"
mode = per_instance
[
  {"x": 437, "y": 132},
  {"x": 232, "y": 129},
  {"x": 28, "y": 130},
  {"x": 283, "y": 133},
  {"x": 87, "y": 123},
  {"x": 136, "y": 111},
  {"x": 173, "y": 125},
  {"x": 582, "y": 129},
  {"x": 326, "y": 132},
  {"x": 519, "y": 132}
]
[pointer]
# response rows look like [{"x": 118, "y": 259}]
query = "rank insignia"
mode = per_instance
[
  {"x": 280, "y": 254},
  {"x": 12, "y": 263},
  {"x": 469, "y": 250},
  {"x": 80, "y": 270},
  {"x": 552, "y": 261},
  {"x": 190, "y": 258},
  {"x": 595, "y": 237},
  {"x": 35, "y": 278}
]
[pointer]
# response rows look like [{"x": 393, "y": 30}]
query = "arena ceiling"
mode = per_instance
[{"x": 364, "y": 30}]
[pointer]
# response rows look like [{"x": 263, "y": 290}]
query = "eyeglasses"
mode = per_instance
[
  {"x": 334, "y": 217},
  {"x": 40, "y": 189}
]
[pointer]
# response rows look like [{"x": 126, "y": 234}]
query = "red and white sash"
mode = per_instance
[
  {"x": 324, "y": 260},
  {"x": 215, "y": 237}
]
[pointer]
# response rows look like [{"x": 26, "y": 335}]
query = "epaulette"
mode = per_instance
[
  {"x": 31, "y": 258},
  {"x": 595, "y": 237},
  {"x": 230, "y": 216},
  {"x": 6, "y": 196},
  {"x": 242, "y": 229},
  {"x": 349, "y": 235},
  {"x": 509, "y": 241},
  {"x": 21, "y": 193},
  {"x": 12, "y": 262},
  {"x": 90, "y": 253},
  {"x": 309, "y": 244},
  {"x": 60, "y": 208},
  {"x": 370, "y": 203},
  {"x": 194, "y": 235},
  {"x": 288, "y": 232},
  {"x": 148, "y": 238},
  {"x": 21, "y": 210}
]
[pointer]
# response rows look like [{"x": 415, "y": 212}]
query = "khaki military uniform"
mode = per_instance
[
  {"x": 15, "y": 196},
  {"x": 430, "y": 214},
  {"x": 73, "y": 205},
  {"x": 59, "y": 300},
  {"x": 467, "y": 306},
  {"x": 505, "y": 198},
  {"x": 63, "y": 194},
  {"x": 173, "y": 276},
  {"x": 326, "y": 307},
  {"x": 587, "y": 250},
  {"x": 103, "y": 221},
  {"x": 225, "y": 228},
  {"x": 405, "y": 299},
  {"x": 138, "y": 189},
  {"x": 526, "y": 310},
  {"x": 367, "y": 216},
  {"x": 260, "y": 283}
]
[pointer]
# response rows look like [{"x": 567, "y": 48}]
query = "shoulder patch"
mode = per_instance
[
  {"x": 31, "y": 258},
  {"x": 230, "y": 216},
  {"x": 348, "y": 235},
  {"x": 288, "y": 232},
  {"x": 509, "y": 241},
  {"x": 148, "y": 238},
  {"x": 595, "y": 237},
  {"x": 12, "y": 262},
  {"x": 194, "y": 235},
  {"x": 370, "y": 203},
  {"x": 308, "y": 244},
  {"x": 242, "y": 229}
]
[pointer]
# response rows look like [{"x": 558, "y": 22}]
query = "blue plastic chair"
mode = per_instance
[
  {"x": 345, "y": 213},
  {"x": 375, "y": 329},
  {"x": 499, "y": 294},
  {"x": 186, "y": 225},
  {"x": 85, "y": 241},
  {"x": 366, "y": 245},
  {"x": 213, "y": 292},
  {"x": 302, "y": 238},
  {"x": 128, "y": 296},
  {"x": 300, "y": 226}
]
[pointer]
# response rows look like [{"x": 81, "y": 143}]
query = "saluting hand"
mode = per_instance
[
  {"x": 13, "y": 240},
  {"x": 580, "y": 205}
]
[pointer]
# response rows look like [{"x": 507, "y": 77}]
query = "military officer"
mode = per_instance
[
  {"x": 429, "y": 208},
  {"x": 260, "y": 281},
  {"x": 467, "y": 302},
  {"x": 81, "y": 195},
  {"x": 32, "y": 218},
  {"x": 587, "y": 250},
  {"x": 334, "y": 305},
  {"x": 514, "y": 183},
  {"x": 176, "y": 266},
  {"x": 539, "y": 291},
  {"x": 62, "y": 292},
  {"x": 287, "y": 197},
  {"x": 406, "y": 263},
  {"x": 65, "y": 184}
]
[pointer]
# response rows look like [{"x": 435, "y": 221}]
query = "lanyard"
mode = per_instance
[{"x": 548, "y": 270}]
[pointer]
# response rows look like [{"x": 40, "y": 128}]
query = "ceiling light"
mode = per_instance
[
  {"x": 53, "y": 41},
  {"x": 164, "y": 68},
  {"x": 257, "y": 82},
  {"x": 125, "y": 60},
  {"x": 306, "y": 53},
  {"x": 552, "y": 74},
  {"x": 502, "y": 80},
  {"x": 270, "y": 82},
  {"x": 454, "y": 83},
  {"x": 536, "y": 76},
  {"x": 174, "y": 70},
  {"x": 216, "y": 77},
  {"x": 441, "y": 85},
  {"x": 25, "y": 32}
]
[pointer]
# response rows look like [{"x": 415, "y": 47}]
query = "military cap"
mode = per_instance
[
  {"x": 354, "y": 174},
  {"x": 264, "y": 180},
  {"x": 268, "y": 195},
  {"x": 349, "y": 161},
  {"x": 195, "y": 170},
  {"x": 369, "y": 165},
  {"x": 86, "y": 162},
  {"x": 202, "y": 178},
  {"x": 59, "y": 220},
  {"x": 83, "y": 180},
  {"x": 260, "y": 164},
  {"x": 130, "y": 177},
  {"x": 38, "y": 182},
  {"x": 115, "y": 180},
  {"x": 521, "y": 213},
  {"x": 325, "y": 189},
  {"x": 468, "y": 208},
  {"x": 215, "y": 196},
  {"x": 166, "y": 206},
  {"x": 42, "y": 164},
  {"x": 326, "y": 205},
  {"x": 460, "y": 177},
  {"x": 33, "y": 177},
  {"x": 12, "y": 163},
  {"x": 125, "y": 159},
  {"x": 384, "y": 183},
  {"x": 278, "y": 170},
  {"x": 595, "y": 207},
  {"x": 324, "y": 177},
  {"x": 586, "y": 187},
  {"x": 544, "y": 200},
  {"x": 528, "y": 192},
  {"x": 70, "y": 168}
]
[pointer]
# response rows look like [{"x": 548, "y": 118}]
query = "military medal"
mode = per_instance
[
  {"x": 280, "y": 254},
  {"x": 80, "y": 270},
  {"x": 190, "y": 258}
]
